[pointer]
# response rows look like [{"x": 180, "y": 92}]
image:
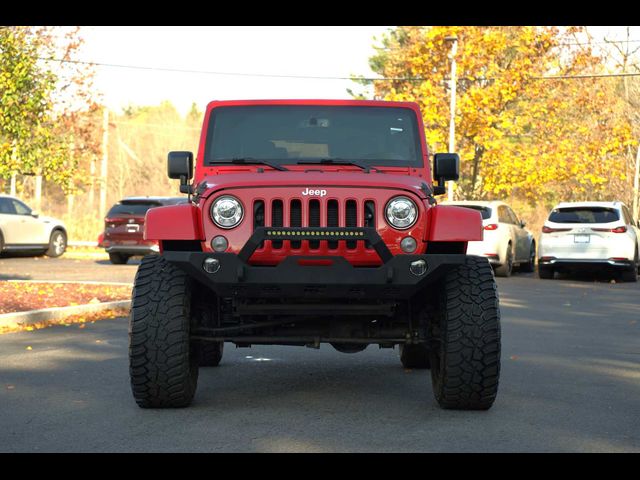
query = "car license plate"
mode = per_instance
[{"x": 581, "y": 238}]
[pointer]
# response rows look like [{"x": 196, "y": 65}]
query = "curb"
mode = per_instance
[
  {"x": 81, "y": 282},
  {"x": 55, "y": 313}
]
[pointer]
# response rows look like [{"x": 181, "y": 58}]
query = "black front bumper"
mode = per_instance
[{"x": 314, "y": 276}]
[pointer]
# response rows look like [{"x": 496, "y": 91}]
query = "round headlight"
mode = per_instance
[
  {"x": 227, "y": 212},
  {"x": 401, "y": 212}
]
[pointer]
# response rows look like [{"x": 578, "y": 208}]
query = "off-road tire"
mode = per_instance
[
  {"x": 530, "y": 266},
  {"x": 414, "y": 356},
  {"x": 163, "y": 366},
  {"x": 118, "y": 258},
  {"x": 506, "y": 268},
  {"x": 546, "y": 273},
  {"x": 57, "y": 244},
  {"x": 465, "y": 359}
]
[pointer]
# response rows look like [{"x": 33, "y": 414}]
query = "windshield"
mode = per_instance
[
  {"x": 584, "y": 215},
  {"x": 286, "y": 134},
  {"x": 131, "y": 208}
]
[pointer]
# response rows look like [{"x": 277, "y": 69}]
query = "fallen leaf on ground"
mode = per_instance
[{"x": 24, "y": 296}]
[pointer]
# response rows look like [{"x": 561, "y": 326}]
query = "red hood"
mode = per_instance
[{"x": 313, "y": 180}]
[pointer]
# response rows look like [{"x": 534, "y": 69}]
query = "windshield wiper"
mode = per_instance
[
  {"x": 251, "y": 161},
  {"x": 337, "y": 161}
]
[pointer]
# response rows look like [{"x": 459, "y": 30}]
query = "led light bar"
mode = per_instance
[{"x": 314, "y": 233}]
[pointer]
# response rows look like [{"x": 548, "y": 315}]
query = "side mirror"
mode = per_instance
[
  {"x": 180, "y": 166},
  {"x": 446, "y": 166},
  {"x": 523, "y": 224},
  {"x": 34, "y": 213}
]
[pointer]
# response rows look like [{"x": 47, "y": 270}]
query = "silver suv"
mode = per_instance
[
  {"x": 589, "y": 235},
  {"x": 23, "y": 229}
]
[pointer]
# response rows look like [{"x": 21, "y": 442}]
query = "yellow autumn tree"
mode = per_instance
[{"x": 517, "y": 133}]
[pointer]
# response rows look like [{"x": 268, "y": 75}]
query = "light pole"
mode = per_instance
[{"x": 452, "y": 107}]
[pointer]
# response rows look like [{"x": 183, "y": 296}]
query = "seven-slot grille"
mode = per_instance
[{"x": 314, "y": 213}]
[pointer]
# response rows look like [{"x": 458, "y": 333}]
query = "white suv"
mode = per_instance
[
  {"x": 23, "y": 229},
  {"x": 589, "y": 235},
  {"x": 506, "y": 243}
]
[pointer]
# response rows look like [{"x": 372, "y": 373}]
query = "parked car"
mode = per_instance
[
  {"x": 507, "y": 243},
  {"x": 124, "y": 224},
  {"x": 589, "y": 235},
  {"x": 25, "y": 230}
]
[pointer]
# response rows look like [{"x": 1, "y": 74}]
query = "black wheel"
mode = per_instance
[
  {"x": 414, "y": 356},
  {"x": 1, "y": 243},
  {"x": 506, "y": 268},
  {"x": 545, "y": 272},
  {"x": 531, "y": 264},
  {"x": 57, "y": 244},
  {"x": 162, "y": 365},
  {"x": 118, "y": 258},
  {"x": 631, "y": 273},
  {"x": 465, "y": 358}
]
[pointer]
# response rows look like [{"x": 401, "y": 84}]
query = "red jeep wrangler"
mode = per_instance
[{"x": 309, "y": 222}]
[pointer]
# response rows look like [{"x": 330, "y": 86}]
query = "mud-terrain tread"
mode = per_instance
[
  {"x": 162, "y": 367},
  {"x": 468, "y": 373}
]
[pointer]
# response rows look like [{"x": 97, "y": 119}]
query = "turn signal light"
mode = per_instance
[{"x": 491, "y": 226}]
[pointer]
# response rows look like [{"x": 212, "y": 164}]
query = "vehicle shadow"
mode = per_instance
[
  {"x": 5, "y": 276},
  {"x": 132, "y": 261},
  {"x": 22, "y": 255},
  {"x": 591, "y": 276}
]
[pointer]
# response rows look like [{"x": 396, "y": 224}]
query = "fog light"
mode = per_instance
[
  {"x": 219, "y": 243},
  {"x": 408, "y": 245},
  {"x": 418, "y": 268},
  {"x": 211, "y": 265}
]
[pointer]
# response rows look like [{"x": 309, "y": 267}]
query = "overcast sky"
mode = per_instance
[
  {"x": 307, "y": 51},
  {"x": 311, "y": 51}
]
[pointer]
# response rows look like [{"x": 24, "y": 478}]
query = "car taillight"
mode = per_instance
[
  {"x": 491, "y": 226},
  {"x": 546, "y": 229},
  {"x": 612, "y": 230},
  {"x": 112, "y": 220}
]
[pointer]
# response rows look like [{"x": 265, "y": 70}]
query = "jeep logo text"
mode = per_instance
[{"x": 317, "y": 193}]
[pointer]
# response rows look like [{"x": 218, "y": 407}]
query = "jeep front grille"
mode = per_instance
[{"x": 314, "y": 213}]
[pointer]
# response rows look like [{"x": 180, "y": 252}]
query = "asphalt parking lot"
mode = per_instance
[
  {"x": 64, "y": 268},
  {"x": 570, "y": 382}
]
